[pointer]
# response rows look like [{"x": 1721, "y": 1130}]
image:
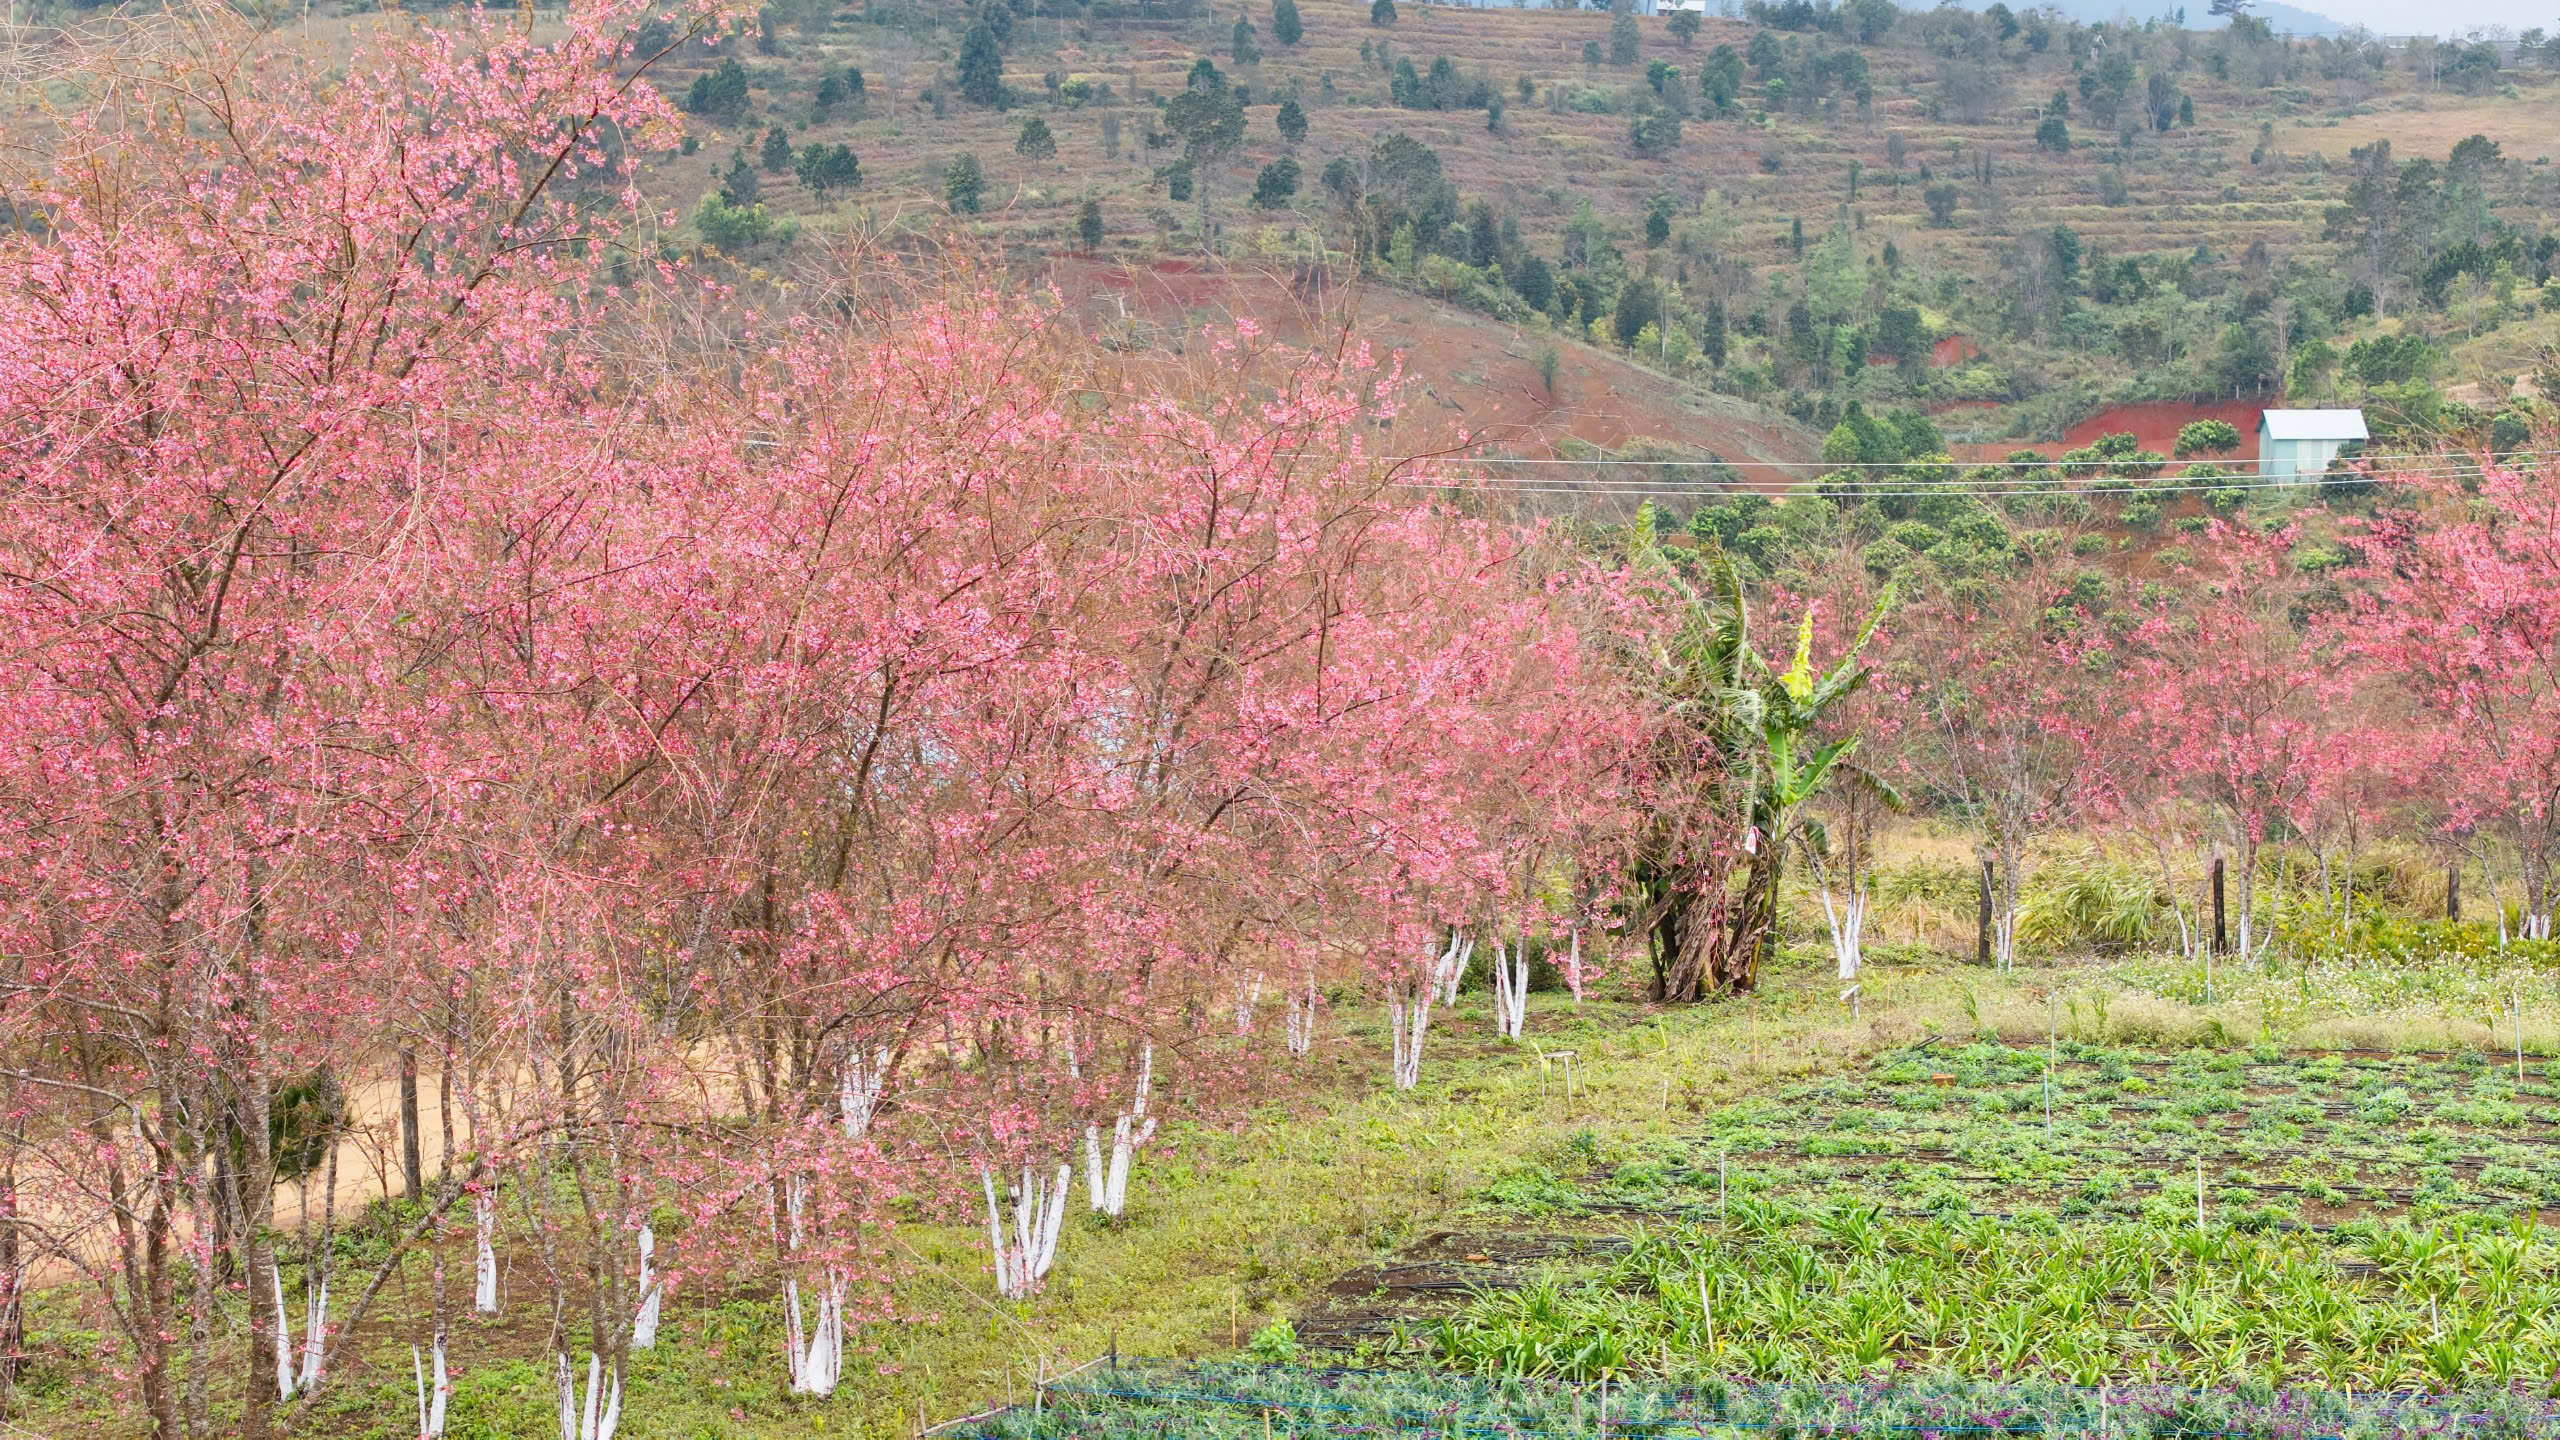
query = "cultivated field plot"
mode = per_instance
[
  {"x": 2204, "y": 1219},
  {"x": 2274, "y": 1140},
  {"x": 1231, "y": 1402}
]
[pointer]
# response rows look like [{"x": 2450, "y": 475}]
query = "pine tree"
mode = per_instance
[
  {"x": 1089, "y": 226},
  {"x": 1382, "y": 12},
  {"x": 740, "y": 187},
  {"x": 777, "y": 151},
  {"x": 981, "y": 67},
  {"x": 828, "y": 167},
  {"x": 1285, "y": 25},
  {"x": 1625, "y": 41},
  {"x": 1291, "y": 121},
  {"x": 720, "y": 91},
  {"x": 964, "y": 184},
  {"x": 1277, "y": 182},
  {"x": 1035, "y": 143}
]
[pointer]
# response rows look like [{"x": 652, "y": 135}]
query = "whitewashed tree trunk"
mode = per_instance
[
  {"x": 2535, "y": 866},
  {"x": 2009, "y": 865},
  {"x": 644, "y": 1325},
  {"x": 600, "y": 1414},
  {"x": 813, "y": 1353},
  {"x": 1023, "y": 1258},
  {"x": 431, "y": 1399},
  {"x": 1573, "y": 966},
  {"x": 1449, "y": 972},
  {"x": 284, "y": 1337},
  {"x": 1408, "y": 1017},
  {"x": 1248, "y": 995},
  {"x": 816, "y": 1351},
  {"x": 1510, "y": 990},
  {"x": 1302, "y": 1020},
  {"x": 858, "y": 1091},
  {"x": 1848, "y": 922},
  {"x": 1108, "y": 1189},
  {"x": 315, "y": 1327},
  {"x": 484, "y": 1282}
]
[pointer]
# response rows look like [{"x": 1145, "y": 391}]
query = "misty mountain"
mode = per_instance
[{"x": 2287, "y": 19}]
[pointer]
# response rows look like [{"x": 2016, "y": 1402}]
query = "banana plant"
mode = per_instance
[{"x": 1757, "y": 730}]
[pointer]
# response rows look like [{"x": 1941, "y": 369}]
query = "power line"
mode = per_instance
[
  {"x": 2040, "y": 464},
  {"x": 2123, "y": 487}
]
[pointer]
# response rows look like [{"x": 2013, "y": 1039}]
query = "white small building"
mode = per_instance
[{"x": 2297, "y": 445}]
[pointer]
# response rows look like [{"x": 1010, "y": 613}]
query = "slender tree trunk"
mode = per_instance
[
  {"x": 412, "y": 1165},
  {"x": 13, "y": 1327}
]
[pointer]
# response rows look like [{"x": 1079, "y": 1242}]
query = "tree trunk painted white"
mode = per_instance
[
  {"x": 816, "y": 1352},
  {"x": 2535, "y": 918},
  {"x": 431, "y": 1399},
  {"x": 315, "y": 1326},
  {"x": 484, "y": 1283},
  {"x": 600, "y": 1414},
  {"x": 1408, "y": 1017},
  {"x": 1248, "y": 995},
  {"x": 1022, "y": 1259},
  {"x": 284, "y": 1338},
  {"x": 1302, "y": 1020},
  {"x": 858, "y": 1092},
  {"x": 1848, "y": 922},
  {"x": 291, "y": 1381},
  {"x": 1510, "y": 989},
  {"x": 1450, "y": 971},
  {"x": 1573, "y": 966},
  {"x": 2009, "y": 861},
  {"x": 1108, "y": 1189},
  {"x": 644, "y": 1325}
]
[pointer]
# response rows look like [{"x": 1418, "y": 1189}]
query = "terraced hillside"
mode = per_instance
[
  {"x": 1754, "y": 174},
  {"x": 1773, "y": 199}
]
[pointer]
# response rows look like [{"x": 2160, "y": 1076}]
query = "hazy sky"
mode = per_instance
[{"x": 2395, "y": 17}]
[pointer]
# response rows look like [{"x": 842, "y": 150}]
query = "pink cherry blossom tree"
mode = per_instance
[{"x": 2455, "y": 608}]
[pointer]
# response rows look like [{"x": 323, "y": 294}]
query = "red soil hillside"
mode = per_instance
[
  {"x": 2155, "y": 424},
  {"x": 1476, "y": 375}
]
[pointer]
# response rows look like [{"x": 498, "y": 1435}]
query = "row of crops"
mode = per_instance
[
  {"x": 2079, "y": 1131},
  {"x": 1961, "y": 1240},
  {"x": 2070, "y": 1216},
  {"x": 1851, "y": 1295},
  {"x": 1233, "y": 1402}
]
